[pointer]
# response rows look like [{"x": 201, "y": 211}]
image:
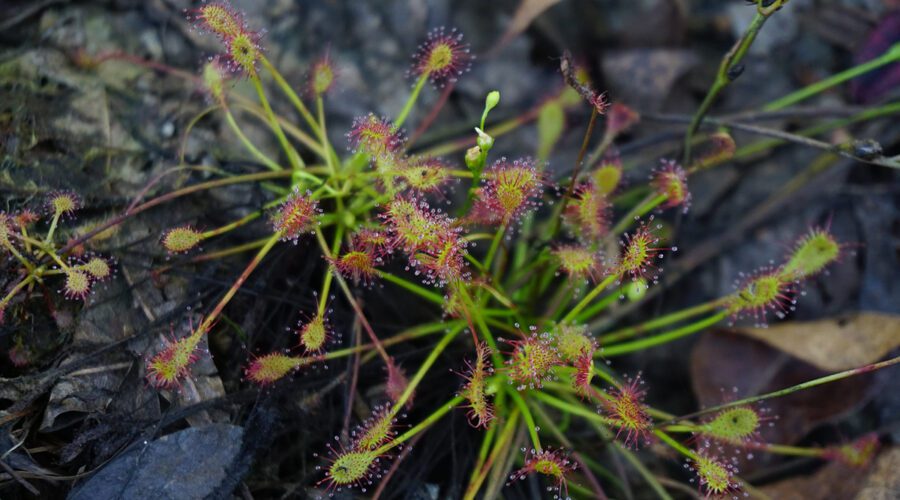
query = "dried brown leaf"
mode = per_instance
[
  {"x": 834, "y": 344},
  {"x": 722, "y": 360},
  {"x": 838, "y": 480},
  {"x": 883, "y": 481}
]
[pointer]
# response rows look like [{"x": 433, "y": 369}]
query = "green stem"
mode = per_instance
[
  {"x": 329, "y": 276},
  {"x": 794, "y": 451},
  {"x": 248, "y": 144},
  {"x": 494, "y": 131},
  {"x": 601, "y": 148},
  {"x": 723, "y": 78},
  {"x": 682, "y": 428},
  {"x": 404, "y": 336},
  {"x": 15, "y": 290},
  {"x": 576, "y": 171},
  {"x": 482, "y": 326},
  {"x": 503, "y": 325},
  {"x": 423, "y": 369},
  {"x": 529, "y": 419},
  {"x": 561, "y": 298},
  {"x": 12, "y": 249},
  {"x": 680, "y": 448},
  {"x": 292, "y": 96},
  {"x": 663, "y": 338},
  {"x": 489, "y": 435},
  {"x": 168, "y": 197},
  {"x": 431, "y": 419},
  {"x": 218, "y": 254},
  {"x": 50, "y": 253},
  {"x": 484, "y": 449},
  {"x": 891, "y": 55},
  {"x": 499, "y": 446},
  {"x": 251, "y": 107},
  {"x": 574, "y": 409},
  {"x": 589, "y": 297},
  {"x": 633, "y": 460},
  {"x": 388, "y": 361},
  {"x": 53, "y": 223},
  {"x": 190, "y": 126},
  {"x": 587, "y": 464},
  {"x": 230, "y": 226},
  {"x": 293, "y": 157},
  {"x": 497, "y": 294},
  {"x": 477, "y": 171},
  {"x": 638, "y": 211},
  {"x": 643, "y": 471},
  {"x": 799, "y": 387},
  {"x": 492, "y": 251},
  {"x": 606, "y": 377},
  {"x": 412, "y": 287},
  {"x": 592, "y": 311},
  {"x": 413, "y": 97},
  {"x": 520, "y": 251},
  {"x": 668, "y": 319},
  {"x": 238, "y": 283},
  {"x": 331, "y": 160}
]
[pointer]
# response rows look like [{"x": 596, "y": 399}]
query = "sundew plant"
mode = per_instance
[{"x": 512, "y": 262}]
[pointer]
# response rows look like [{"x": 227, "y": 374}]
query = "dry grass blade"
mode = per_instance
[{"x": 525, "y": 14}]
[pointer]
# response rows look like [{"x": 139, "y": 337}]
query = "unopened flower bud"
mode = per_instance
[
  {"x": 473, "y": 157},
  {"x": 484, "y": 141}
]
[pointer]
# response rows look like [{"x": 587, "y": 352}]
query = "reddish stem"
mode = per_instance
[
  {"x": 139, "y": 61},
  {"x": 375, "y": 341},
  {"x": 238, "y": 283},
  {"x": 394, "y": 466},
  {"x": 168, "y": 197},
  {"x": 354, "y": 377},
  {"x": 432, "y": 115},
  {"x": 595, "y": 484}
]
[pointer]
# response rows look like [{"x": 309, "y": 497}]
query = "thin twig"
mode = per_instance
[
  {"x": 872, "y": 150},
  {"x": 19, "y": 479},
  {"x": 729, "y": 69}
]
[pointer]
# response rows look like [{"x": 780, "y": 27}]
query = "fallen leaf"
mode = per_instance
[
  {"x": 103, "y": 322},
  {"x": 838, "y": 480},
  {"x": 527, "y": 12},
  {"x": 726, "y": 366},
  {"x": 883, "y": 481},
  {"x": 834, "y": 344}
]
